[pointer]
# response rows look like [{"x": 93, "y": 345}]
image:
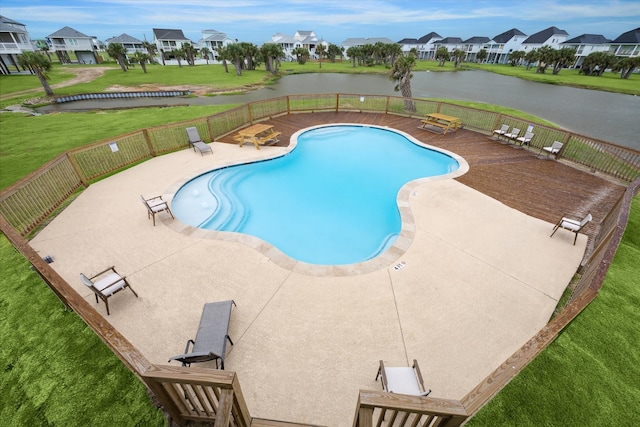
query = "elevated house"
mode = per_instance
[
  {"x": 586, "y": 44},
  {"x": 472, "y": 46},
  {"x": 131, "y": 44},
  {"x": 14, "y": 39},
  {"x": 501, "y": 46},
  {"x": 67, "y": 40},
  {"x": 424, "y": 45},
  {"x": 450, "y": 43},
  {"x": 214, "y": 40},
  {"x": 552, "y": 37},
  {"x": 304, "y": 39},
  {"x": 167, "y": 40},
  {"x": 626, "y": 45}
]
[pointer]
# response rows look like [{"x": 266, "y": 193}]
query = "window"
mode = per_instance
[{"x": 72, "y": 42}]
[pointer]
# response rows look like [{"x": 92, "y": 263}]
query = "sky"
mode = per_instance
[{"x": 334, "y": 21}]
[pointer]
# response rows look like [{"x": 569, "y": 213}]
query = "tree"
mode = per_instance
[
  {"x": 271, "y": 53},
  {"x": 320, "y": 51},
  {"x": 354, "y": 52},
  {"x": 223, "y": 55},
  {"x": 236, "y": 56},
  {"x": 151, "y": 50},
  {"x": 442, "y": 55},
  {"x": 179, "y": 55},
  {"x": 394, "y": 50},
  {"x": 302, "y": 54},
  {"x": 531, "y": 57},
  {"x": 516, "y": 57},
  {"x": 596, "y": 62},
  {"x": 546, "y": 55},
  {"x": 334, "y": 50},
  {"x": 204, "y": 52},
  {"x": 39, "y": 65},
  {"x": 626, "y": 66},
  {"x": 401, "y": 74},
  {"x": 189, "y": 51},
  {"x": 457, "y": 55},
  {"x": 481, "y": 55},
  {"x": 563, "y": 58},
  {"x": 141, "y": 58},
  {"x": 118, "y": 52}
]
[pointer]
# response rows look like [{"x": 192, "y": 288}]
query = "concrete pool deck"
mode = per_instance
[{"x": 476, "y": 282}]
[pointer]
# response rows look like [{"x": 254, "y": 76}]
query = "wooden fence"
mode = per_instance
[{"x": 211, "y": 395}]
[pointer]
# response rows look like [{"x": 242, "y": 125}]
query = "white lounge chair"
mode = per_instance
[
  {"x": 553, "y": 148},
  {"x": 515, "y": 132},
  {"x": 105, "y": 284},
  {"x": 572, "y": 225},
  {"x": 155, "y": 205},
  {"x": 526, "y": 139},
  {"x": 402, "y": 380},
  {"x": 196, "y": 142},
  {"x": 503, "y": 130}
]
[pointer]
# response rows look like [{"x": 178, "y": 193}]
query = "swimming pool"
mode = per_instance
[{"x": 330, "y": 201}]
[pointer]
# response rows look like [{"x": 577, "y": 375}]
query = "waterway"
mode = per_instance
[{"x": 602, "y": 115}]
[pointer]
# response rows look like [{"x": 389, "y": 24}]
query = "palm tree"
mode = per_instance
[
  {"x": 189, "y": 53},
  {"x": 251, "y": 51},
  {"x": 302, "y": 54},
  {"x": 223, "y": 55},
  {"x": 142, "y": 59},
  {"x": 236, "y": 55},
  {"x": 38, "y": 64},
  {"x": 179, "y": 55},
  {"x": 271, "y": 53},
  {"x": 481, "y": 56},
  {"x": 457, "y": 55},
  {"x": 401, "y": 74},
  {"x": 151, "y": 49},
  {"x": 205, "y": 54},
  {"x": 354, "y": 52},
  {"x": 320, "y": 51},
  {"x": 442, "y": 55},
  {"x": 118, "y": 52}
]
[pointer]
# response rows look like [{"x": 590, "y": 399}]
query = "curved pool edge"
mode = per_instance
[{"x": 386, "y": 259}]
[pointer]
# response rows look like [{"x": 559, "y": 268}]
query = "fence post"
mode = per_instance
[
  {"x": 147, "y": 139},
  {"x": 386, "y": 105},
  {"x": 76, "y": 168},
  {"x": 496, "y": 124},
  {"x": 337, "y": 102}
]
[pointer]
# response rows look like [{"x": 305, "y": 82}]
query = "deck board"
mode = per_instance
[{"x": 519, "y": 178}]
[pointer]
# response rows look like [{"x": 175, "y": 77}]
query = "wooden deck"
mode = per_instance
[{"x": 544, "y": 189}]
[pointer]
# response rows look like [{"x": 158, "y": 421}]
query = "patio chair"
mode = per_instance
[
  {"x": 196, "y": 142},
  {"x": 155, "y": 205},
  {"x": 526, "y": 139},
  {"x": 553, "y": 148},
  {"x": 503, "y": 130},
  {"x": 572, "y": 225},
  {"x": 108, "y": 282},
  {"x": 515, "y": 132},
  {"x": 402, "y": 380}
]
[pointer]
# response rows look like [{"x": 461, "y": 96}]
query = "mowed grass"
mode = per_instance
[
  {"x": 54, "y": 370},
  {"x": 589, "y": 376}
]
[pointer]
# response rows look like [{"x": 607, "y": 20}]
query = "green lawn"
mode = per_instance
[{"x": 57, "y": 372}]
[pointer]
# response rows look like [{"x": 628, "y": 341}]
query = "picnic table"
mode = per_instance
[
  {"x": 440, "y": 123},
  {"x": 258, "y": 134}
]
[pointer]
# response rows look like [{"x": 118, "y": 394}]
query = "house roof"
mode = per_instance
[
  {"x": 508, "y": 35},
  {"x": 124, "y": 38},
  {"x": 544, "y": 35},
  {"x": 450, "y": 40},
  {"x": 359, "y": 41},
  {"x": 68, "y": 33},
  {"x": 408, "y": 41},
  {"x": 477, "y": 40},
  {"x": 588, "y": 39},
  {"x": 216, "y": 37},
  {"x": 168, "y": 34},
  {"x": 427, "y": 37},
  {"x": 631, "y": 37},
  {"x": 10, "y": 26}
]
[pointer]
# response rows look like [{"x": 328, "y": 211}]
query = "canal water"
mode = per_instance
[{"x": 607, "y": 116}]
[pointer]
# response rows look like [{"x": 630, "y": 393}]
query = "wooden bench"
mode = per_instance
[
  {"x": 211, "y": 338},
  {"x": 272, "y": 138},
  {"x": 440, "y": 123}
]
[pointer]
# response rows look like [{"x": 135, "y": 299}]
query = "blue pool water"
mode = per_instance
[{"x": 330, "y": 201}]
